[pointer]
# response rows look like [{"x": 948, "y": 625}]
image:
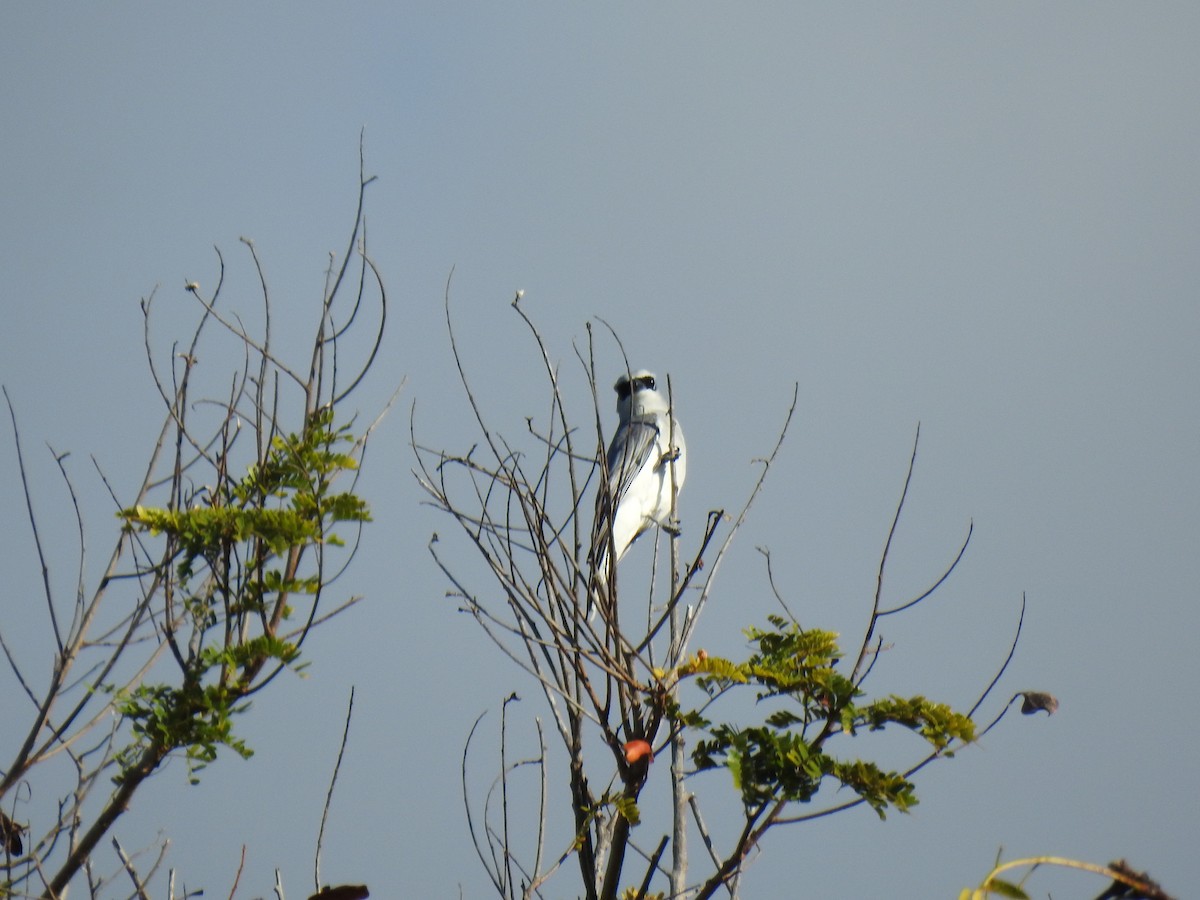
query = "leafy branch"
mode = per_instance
[
  {"x": 246, "y": 513},
  {"x": 612, "y": 683},
  {"x": 783, "y": 760}
]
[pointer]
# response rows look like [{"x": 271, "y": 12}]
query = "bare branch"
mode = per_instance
[
  {"x": 941, "y": 578},
  {"x": 767, "y": 463},
  {"x": 238, "y": 877},
  {"x": 33, "y": 525},
  {"x": 870, "y": 632},
  {"x": 337, "y": 767},
  {"x": 138, "y": 887}
]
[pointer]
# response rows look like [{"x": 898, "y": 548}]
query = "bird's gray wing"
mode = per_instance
[{"x": 628, "y": 452}]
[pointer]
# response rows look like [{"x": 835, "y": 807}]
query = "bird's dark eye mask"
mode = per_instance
[{"x": 642, "y": 383}]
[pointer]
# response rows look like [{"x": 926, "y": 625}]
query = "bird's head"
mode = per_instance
[{"x": 637, "y": 395}]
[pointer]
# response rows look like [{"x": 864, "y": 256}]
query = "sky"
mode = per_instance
[{"x": 978, "y": 218}]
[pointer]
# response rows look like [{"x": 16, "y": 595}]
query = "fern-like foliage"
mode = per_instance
[
  {"x": 232, "y": 560},
  {"x": 785, "y": 759}
]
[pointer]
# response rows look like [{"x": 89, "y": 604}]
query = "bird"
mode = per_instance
[{"x": 646, "y": 466}]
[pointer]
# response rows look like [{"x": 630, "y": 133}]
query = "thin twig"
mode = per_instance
[
  {"x": 767, "y": 463},
  {"x": 238, "y": 877},
  {"x": 33, "y": 525},
  {"x": 941, "y": 579},
  {"x": 337, "y": 767},
  {"x": 127, "y": 864},
  {"x": 883, "y": 558}
]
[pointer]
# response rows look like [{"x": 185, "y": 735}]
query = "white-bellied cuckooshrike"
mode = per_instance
[{"x": 647, "y": 462}]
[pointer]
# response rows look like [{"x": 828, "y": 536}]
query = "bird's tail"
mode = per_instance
[{"x": 598, "y": 594}]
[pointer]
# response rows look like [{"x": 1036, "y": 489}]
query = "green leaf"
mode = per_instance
[
  {"x": 935, "y": 722},
  {"x": 627, "y": 807},
  {"x": 784, "y": 758},
  {"x": 879, "y": 788}
]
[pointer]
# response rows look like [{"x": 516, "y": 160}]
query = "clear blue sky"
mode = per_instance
[{"x": 981, "y": 218}]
